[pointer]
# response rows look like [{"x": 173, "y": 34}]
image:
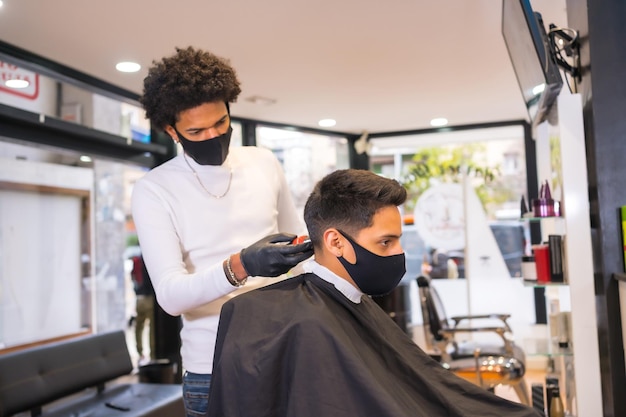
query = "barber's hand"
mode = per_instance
[{"x": 274, "y": 255}]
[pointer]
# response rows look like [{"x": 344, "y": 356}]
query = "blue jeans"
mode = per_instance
[{"x": 196, "y": 393}]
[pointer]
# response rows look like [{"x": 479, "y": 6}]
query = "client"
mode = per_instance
[{"x": 317, "y": 346}]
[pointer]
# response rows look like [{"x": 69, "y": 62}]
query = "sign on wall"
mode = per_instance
[{"x": 13, "y": 72}]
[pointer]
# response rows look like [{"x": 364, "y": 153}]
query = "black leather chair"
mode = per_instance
[
  {"x": 483, "y": 365},
  {"x": 82, "y": 376}
]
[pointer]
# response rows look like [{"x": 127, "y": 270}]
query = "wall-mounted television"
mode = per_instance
[{"x": 532, "y": 57}]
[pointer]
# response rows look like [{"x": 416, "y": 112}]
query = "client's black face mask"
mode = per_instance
[
  {"x": 374, "y": 274},
  {"x": 209, "y": 151}
]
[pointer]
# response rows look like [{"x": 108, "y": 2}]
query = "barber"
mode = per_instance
[{"x": 214, "y": 219}]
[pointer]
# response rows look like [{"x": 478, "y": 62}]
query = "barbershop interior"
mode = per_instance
[{"x": 503, "y": 119}]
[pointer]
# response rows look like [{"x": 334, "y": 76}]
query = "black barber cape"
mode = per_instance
[{"x": 300, "y": 348}]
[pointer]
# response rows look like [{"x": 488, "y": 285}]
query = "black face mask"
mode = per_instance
[
  {"x": 374, "y": 274},
  {"x": 207, "y": 152}
]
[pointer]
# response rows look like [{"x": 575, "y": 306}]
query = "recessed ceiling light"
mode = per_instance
[
  {"x": 16, "y": 83},
  {"x": 439, "y": 121},
  {"x": 128, "y": 67},
  {"x": 263, "y": 101},
  {"x": 327, "y": 122},
  {"x": 85, "y": 158},
  {"x": 0, "y": 3}
]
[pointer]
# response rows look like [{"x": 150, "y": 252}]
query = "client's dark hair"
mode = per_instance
[
  {"x": 185, "y": 80},
  {"x": 347, "y": 200}
]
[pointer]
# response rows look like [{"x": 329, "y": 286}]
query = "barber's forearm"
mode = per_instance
[
  {"x": 235, "y": 273},
  {"x": 237, "y": 266}
]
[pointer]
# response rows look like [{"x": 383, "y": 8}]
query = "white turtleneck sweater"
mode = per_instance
[{"x": 185, "y": 234}]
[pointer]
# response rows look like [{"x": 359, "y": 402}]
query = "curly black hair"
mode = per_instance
[{"x": 185, "y": 80}]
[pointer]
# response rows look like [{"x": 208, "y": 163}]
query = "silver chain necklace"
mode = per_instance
[{"x": 195, "y": 174}]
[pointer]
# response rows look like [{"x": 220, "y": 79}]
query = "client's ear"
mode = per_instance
[{"x": 333, "y": 242}]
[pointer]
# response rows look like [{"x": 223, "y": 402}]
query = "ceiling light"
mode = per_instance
[
  {"x": 0, "y": 3},
  {"x": 439, "y": 121},
  {"x": 85, "y": 158},
  {"x": 16, "y": 83},
  {"x": 327, "y": 122},
  {"x": 128, "y": 67},
  {"x": 263, "y": 101}
]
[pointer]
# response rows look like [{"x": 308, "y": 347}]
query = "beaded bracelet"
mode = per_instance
[{"x": 230, "y": 275}]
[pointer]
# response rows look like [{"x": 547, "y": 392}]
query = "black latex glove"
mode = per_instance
[{"x": 274, "y": 255}]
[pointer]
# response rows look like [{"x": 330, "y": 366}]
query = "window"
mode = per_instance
[{"x": 306, "y": 157}]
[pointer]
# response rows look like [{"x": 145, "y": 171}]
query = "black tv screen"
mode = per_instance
[{"x": 532, "y": 57}]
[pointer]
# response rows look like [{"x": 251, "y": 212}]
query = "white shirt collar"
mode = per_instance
[{"x": 348, "y": 290}]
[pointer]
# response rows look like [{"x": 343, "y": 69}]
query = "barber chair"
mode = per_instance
[{"x": 485, "y": 365}]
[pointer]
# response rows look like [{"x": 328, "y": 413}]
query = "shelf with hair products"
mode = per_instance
[
  {"x": 545, "y": 263},
  {"x": 569, "y": 344}
]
